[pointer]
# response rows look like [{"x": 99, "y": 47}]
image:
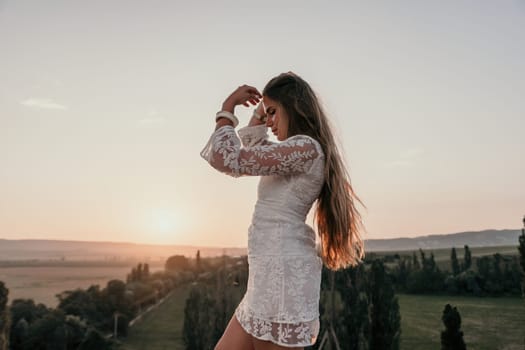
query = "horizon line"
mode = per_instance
[{"x": 232, "y": 247}]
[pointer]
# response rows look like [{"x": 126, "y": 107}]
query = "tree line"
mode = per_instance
[
  {"x": 366, "y": 315},
  {"x": 84, "y": 318},
  {"x": 494, "y": 275},
  {"x": 359, "y": 303}
]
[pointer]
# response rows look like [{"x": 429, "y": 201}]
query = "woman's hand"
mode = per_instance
[
  {"x": 243, "y": 95},
  {"x": 260, "y": 111}
]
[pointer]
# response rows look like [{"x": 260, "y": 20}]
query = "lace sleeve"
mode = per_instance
[
  {"x": 254, "y": 135},
  {"x": 292, "y": 156}
]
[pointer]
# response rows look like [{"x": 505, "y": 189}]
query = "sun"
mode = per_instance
[{"x": 163, "y": 225}]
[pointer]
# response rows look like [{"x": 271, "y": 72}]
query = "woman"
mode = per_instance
[{"x": 281, "y": 306}]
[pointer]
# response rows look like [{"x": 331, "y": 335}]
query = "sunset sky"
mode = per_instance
[{"x": 105, "y": 106}]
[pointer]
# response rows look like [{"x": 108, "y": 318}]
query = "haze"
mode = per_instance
[{"x": 105, "y": 105}]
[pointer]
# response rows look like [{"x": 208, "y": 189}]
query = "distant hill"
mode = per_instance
[
  {"x": 30, "y": 249},
  {"x": 485, "y": 238},
  {"x": 25, "y": 249}
]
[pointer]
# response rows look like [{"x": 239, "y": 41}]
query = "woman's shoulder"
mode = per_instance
[{"x": 302, "y": 139}]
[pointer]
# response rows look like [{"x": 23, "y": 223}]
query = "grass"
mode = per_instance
[
  {"x": 161, "y": 329},
  {"x": 42, "y": 283},
  {"x": 487, "y": 323}
]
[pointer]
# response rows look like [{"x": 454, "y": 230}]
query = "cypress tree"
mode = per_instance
[
  {"x": 498, "y": 274},
  {"x": 385, "y": 320},
  {"x": 139, "y": 272},
  {"x": 198, "y": 267},
  {"x": 415, "y": 261},
  {"x": 404, "y": 271},
  {"x": 190, "y": 331},
  {"x": 521, "y": 248},
  {"x": 4, "y": 318},
  {"x": 454, "y": 262},
  {"x": 221, "y": 312},
  {"x": 145, "y": 272},
  {"x": 452, "y": 337},
  {"x": 424, "y": 262},
  {"x": 467, "y": 259},
  {"x": 353, "y": 328},
  {"x": 432, "y": 262}
]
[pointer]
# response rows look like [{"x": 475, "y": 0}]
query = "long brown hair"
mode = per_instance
[{"x": 337, "y": 218}]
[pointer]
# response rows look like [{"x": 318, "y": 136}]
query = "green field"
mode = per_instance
[
  {"x": 42, "y": 283},
  {"x": 161, "y": 329},
  {"x": 487, "y": 323}
]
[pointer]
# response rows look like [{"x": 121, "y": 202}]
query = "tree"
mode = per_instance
[
  {"x": 117, "y": 303},
  {"x": 24, "y": 312},
  {"x": 428, "y": 279},
  {"x": 354, "y": 326},
  {"x": 424, "y": 262},
  {"x": 98, "y": 307},
  {"x": 222, "y": 304},
  {"x": 403, "y": 272},
  {"x": 454, "y": 262},
  {"x": 415, "y": 261},
  {"x": 145, "y": 272},
  {"x": 47, "y": 332},
  {"x": 497, "y": 274},
  {"x": 385, "y": 320},
  {"x": 177, "y": 263},
  {"x": 432, "y": 262},
  {"x": 132, "y": 276},
  {"x": 190, "y": 331},
  {"x": 115, "y": 289},
  {"x": 139, "y": 272},
  {"x": 452, "y": 337},
  {"x": 86, "y": 304},
  {"x": 25, "y": 309},
  {"x": 19, "y": 333},
  {"x": 521, "y": 248},
  {"x": 4, "y": 318},
  {"x": 467, "y": 259},
  {"x": 198, "y": 267},
  {"x": 76, "y": 330},
  {"x": 95, "y": 340},
  {"x": 36, "y": 327}
]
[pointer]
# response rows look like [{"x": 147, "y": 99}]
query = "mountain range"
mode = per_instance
[
  {"x": 31, "y": 249},
  {"x": 486, "y": 238}
]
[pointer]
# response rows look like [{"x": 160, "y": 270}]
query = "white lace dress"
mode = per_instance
[{"x": 281, "y": 303}]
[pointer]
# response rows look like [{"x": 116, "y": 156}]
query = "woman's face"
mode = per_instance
[{"x": 277, "y": 118}]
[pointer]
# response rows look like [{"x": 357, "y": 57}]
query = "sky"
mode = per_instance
[{"x": 105, "y": 106}]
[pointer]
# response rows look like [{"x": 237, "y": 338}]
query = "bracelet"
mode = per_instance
[
  {"x": 261, "y": 118},
  {"x": 227, "y": 115}
]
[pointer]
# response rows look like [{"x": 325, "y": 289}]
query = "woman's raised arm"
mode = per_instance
[{"x": 225, "y": 153}]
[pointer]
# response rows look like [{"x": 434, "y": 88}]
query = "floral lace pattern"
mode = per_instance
[
  {"x": 281, "y": 303},
  {"x": 299, "y": 334},
  {"x": 224, "y": 153}
]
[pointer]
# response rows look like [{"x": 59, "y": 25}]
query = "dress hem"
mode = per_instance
[{"x": 271, "y": 339}]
